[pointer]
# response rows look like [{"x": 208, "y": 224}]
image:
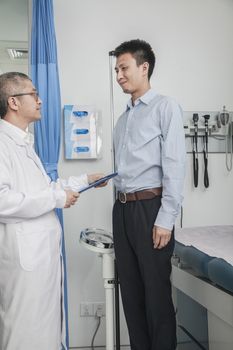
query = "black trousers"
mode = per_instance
[{"x": 144, "y": 274}]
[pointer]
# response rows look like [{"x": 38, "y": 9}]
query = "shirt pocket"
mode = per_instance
[{"x": 34, "y": 249}]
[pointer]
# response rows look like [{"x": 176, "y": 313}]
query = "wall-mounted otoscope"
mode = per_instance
[
  {"x": 195, "y": 149},
  {"x": 205, "y": 149}
]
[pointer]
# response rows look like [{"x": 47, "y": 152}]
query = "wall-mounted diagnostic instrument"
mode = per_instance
[
  {"x": 208, "y": 132},
  {"x": 225, "y": 123}
]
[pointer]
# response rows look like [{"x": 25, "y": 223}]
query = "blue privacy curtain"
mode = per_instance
[{"x": 44, "y": 74}]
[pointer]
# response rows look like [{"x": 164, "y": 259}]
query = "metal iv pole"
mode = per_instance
[{"x": 117, "y": 310}]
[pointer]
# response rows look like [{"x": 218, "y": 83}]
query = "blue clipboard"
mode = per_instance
[{"x": 98, "y": 182}]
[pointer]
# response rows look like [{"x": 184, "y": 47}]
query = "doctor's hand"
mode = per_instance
[
  {"x": 71, "y": 198},
  {"x": 95, "y": 177},
  {"x": 161, "y": 237}
]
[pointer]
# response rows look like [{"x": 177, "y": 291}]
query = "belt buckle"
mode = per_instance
[{"x": 124, "y": 200}]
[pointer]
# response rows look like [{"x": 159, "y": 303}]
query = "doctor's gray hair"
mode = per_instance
[{"x": 10, "y": 84}]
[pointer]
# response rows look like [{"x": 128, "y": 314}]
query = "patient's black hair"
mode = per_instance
[{"x": 140, "y": 50}]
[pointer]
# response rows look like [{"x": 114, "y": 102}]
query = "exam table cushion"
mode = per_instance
[
  {"x": 208, "y": 251},
  {"x": 216, "y": 241},
  {"x": 193, "y": 258},
  {"x": 221, "y": 273}
]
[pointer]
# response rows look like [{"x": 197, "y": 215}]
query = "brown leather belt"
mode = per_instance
[{"x": 139, "y": 195}]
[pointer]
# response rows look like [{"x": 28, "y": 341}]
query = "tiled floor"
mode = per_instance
[
  {"x": 98, "y": 348},
  {"x": 187, "y": 346},
  {"x": 179, "y": 347}
]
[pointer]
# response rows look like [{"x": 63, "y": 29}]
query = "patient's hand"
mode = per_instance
[
  {"x": 95, "y": 177},
  {"x": 161, "y": 237}
]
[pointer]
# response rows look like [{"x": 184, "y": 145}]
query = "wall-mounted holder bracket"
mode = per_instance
[{"x": 217, "y": 132}]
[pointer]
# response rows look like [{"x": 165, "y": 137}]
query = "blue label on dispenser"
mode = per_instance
[
  {"x": 81, "y": 131},
  {"x": 80, "y": 113},
  {"x": 81, "y": 149}
]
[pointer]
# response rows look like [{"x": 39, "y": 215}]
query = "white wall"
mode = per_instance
[
  {"x": 14, "y": 20},
  {"x": 13, "y": 33},
  {"x": 194, "y": 46}
]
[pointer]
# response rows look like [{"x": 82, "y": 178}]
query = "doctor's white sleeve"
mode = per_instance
[
  {"x": 73, "y": 183},
  {"x": 16, "y": 205}
]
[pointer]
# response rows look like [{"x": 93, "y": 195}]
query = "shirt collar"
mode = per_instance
[
  {"x": 25, "y": 136},
  {"x": 146, "y": 98}
]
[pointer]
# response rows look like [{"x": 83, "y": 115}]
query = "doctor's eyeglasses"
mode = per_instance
[{"x": 35, "y": 94}]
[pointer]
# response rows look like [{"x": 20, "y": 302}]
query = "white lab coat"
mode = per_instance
[{"x": 30, "y": 248}]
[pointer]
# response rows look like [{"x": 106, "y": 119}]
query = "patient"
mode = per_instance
[{"x": 149, "y": 146}]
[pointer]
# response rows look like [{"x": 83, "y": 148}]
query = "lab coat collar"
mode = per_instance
[
  {"x": 22, "y": 138},
  {"x": 18, "y": 135}
]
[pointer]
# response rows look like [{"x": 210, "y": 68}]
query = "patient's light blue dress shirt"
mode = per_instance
[{"x": 150, "y": 152}]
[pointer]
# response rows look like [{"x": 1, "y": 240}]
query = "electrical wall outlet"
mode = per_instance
[
  {"x": 92, "y": 309},
  {"x": 86, "y": 309},
  {"x": 99, "y": 309}
]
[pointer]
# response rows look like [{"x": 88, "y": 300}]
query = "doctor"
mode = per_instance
[{"x": 30, "y": 233}]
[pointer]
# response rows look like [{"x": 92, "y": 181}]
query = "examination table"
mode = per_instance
[{"x": 202, "y": 278}]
